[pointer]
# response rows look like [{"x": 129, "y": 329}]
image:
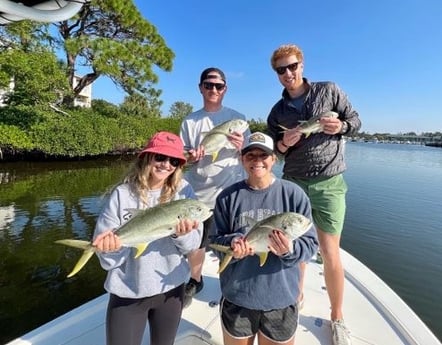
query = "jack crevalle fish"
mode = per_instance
[
  {"x": 312, "y": 125},
  {"x": 292, "y": 224},
  {"x": 217, "y": 137},
  {"x": 146, "y": 226}
]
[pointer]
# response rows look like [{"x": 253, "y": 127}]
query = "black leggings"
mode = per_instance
[{"x": 126, "y": 318}]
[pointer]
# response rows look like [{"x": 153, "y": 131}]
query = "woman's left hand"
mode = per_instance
[
  {"x": 185, "y": 226},
  {"x": 279, "y": 243}
]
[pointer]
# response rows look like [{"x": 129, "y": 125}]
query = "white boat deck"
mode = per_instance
[{"x": 373, "y": 313}]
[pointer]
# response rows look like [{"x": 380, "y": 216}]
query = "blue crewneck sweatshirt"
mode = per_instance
[{"x": 244, "y": 282}]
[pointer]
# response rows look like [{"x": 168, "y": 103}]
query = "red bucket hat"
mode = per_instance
[{"x": 167, "y": 144}]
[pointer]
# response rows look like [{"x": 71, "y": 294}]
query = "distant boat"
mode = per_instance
[
  {"x": 373, "y": 313},
  {"x": 434, "y": 144}
]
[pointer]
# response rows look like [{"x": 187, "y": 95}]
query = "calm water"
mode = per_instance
[{"x": 393, "y": 225}]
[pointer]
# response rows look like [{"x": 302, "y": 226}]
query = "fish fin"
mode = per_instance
[
  {"x": 80, "y": 244},
  {"x": 134, "y": 211},
  {"x": 87, "y": 254},
  {"x": 220, "y": 132},
  {"x": 250, "y": 221},
  {"x": 267, "y": 226},
  {"x": 220, "y": 247},
  {"x": 307, "y": 134},
  {"x": 227, "y": 258},
  {"x": 284, "y": 129},
  {"x": 88, "y": 251},
  {"x": 214, "y": 156},
  {"x": 141, "y": 247},
  {"x": 263, "y": 258}
]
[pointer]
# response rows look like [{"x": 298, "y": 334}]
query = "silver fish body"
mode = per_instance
[
  {"x": 292, "y": 224},
  {"x": 217, "y": 137},
  {"x": 313, "y": 125},
  {"x": 146, "y": 226}
]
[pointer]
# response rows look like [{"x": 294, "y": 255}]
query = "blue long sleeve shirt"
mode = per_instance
[{"x": 244, "y": 282}]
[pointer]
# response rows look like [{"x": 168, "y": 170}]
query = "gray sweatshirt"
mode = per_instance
[{"x": 161, "y": 267}]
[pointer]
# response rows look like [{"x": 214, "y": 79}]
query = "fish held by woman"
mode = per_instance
[
  {"x": 292, "y": 224},
  {"x": 146, "y": 226}
]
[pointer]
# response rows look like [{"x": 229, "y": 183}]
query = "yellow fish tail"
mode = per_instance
[{"x": 88, "y": 251}]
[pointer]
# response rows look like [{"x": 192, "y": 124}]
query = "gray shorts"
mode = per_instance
[{"x": 277, "y": 324}]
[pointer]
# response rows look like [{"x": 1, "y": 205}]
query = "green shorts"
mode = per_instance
[{"x": 327, "y": 197}]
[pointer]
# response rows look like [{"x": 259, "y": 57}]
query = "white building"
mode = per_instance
[
  {"x": 84, "y": 99},
  {"x": 3, "y": 92}
]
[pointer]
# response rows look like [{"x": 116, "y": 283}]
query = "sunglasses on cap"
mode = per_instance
[
  {"x": 175, "y": 162},
  {"x": 209, "y": 86},
  {"x": 292, "y": 68}
]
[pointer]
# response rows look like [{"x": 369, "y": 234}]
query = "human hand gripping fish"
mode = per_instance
[
  {"x": 174, "y": 218},
  {"x": 228, "y": 133},
  {"x": 327, "y": 122},
  {"x": 279, "y": 244},
  {"x": 109, "y": 241},
  {"x": 273, "y": 234}
]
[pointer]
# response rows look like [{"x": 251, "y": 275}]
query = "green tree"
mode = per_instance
[
  {"x": 135, "y": 105},
  {"x": 105, "y": 108},
  {"x": 110, "y": 38},
  {"x": 107, "y": 38},
  {"x": 37, "y": 76},
  {"x": 179, "y": 110},
  {"x": 25, "y": 35}
]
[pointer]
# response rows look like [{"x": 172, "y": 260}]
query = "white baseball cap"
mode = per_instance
[{"x": 258, "y": 140}]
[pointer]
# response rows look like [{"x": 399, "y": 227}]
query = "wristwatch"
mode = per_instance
[{"x": 344, "y": 128}]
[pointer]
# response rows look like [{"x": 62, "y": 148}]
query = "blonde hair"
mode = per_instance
[
  {"x": 284, "y": 51},
  {"x": 139, "y": 175}
]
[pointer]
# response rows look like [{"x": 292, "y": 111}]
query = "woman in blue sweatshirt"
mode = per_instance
[{"x": 260, "y": 300}]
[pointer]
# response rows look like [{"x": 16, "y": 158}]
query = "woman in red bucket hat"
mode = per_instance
[{"x": 149, "y": 288}]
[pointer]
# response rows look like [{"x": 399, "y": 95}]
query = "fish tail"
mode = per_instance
[
  {"x": 88, "y": 251},
  {"x": 75, "y": 243},
  {"x": 227, "y": 258},
  {"x": 220, "y": 248},
  {"x": 222, "y": 266},
  {"x": 87, "y": 254}
]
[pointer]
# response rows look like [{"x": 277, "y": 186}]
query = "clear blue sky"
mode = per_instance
[{"x": 386, "y": 55}]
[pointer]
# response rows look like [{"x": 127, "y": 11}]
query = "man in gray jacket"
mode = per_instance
[{"x": 313, "y": 153}]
